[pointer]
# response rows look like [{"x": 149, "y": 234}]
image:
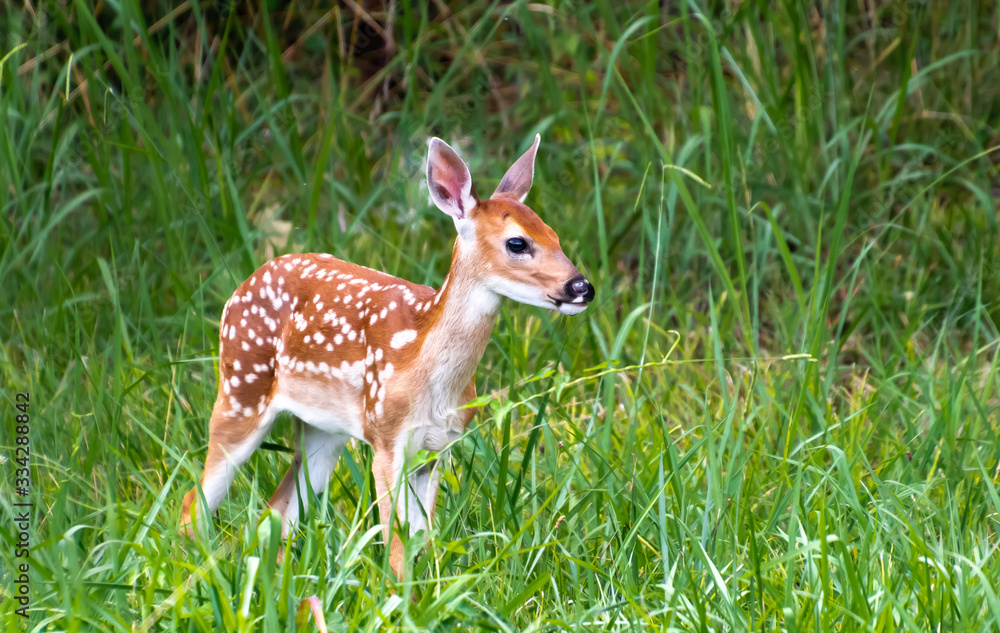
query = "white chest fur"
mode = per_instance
[{"x": 458, "y": 341}]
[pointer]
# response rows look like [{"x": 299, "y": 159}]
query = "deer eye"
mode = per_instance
[{"x": 517, "y": 245}]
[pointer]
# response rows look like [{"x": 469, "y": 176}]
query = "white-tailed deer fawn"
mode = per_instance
[{"x": 356, "y": 353}]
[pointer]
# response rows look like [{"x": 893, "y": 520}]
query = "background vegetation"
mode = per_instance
[{"x": 781, "y": 413}]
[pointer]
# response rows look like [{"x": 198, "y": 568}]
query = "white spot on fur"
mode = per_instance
[
  {"x": 440, "y": 293},
  {"x": 403, "y": 337}
]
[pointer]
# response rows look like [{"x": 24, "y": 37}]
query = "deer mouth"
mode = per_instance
[{"x": 575, "y": 306}]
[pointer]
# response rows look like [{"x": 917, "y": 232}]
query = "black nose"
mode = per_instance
[{"x": 580, "y": 287}]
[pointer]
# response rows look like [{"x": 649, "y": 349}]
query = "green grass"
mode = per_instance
[{"x": 792, "y": 204}]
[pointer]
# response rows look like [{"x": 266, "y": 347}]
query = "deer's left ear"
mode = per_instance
[
  {"x": 517, "y": 181},
  {"x": 449, "y": 180}
]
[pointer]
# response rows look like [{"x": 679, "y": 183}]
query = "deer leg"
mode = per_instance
[
  {"x": 387, "y": 470},
  {"x": 234, "y": 434},
  {"x": 317, "y": 454},
  {"x": 423, "y": 487}
]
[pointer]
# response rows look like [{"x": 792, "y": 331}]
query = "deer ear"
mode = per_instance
[
  {"x": 517, "y": 181},
  {"x": 449, "y": 180}
]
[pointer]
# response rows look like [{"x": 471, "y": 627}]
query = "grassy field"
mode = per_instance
[{"x": 781, "y": 413}]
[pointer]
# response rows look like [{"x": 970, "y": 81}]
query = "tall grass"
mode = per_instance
[{"x": 781, "y": 412}]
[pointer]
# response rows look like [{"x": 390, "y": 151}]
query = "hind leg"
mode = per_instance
[
  {"x": 242, "y": 415},
  {"x": 317, "y": 453},
  {"x": 233, "y": 437}
]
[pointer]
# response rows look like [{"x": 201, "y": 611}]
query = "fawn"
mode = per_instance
[{"x": 356, "y": 353}]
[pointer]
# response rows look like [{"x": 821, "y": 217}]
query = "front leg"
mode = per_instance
[
  {"x": 423, "y": 487},
  {"x": 387, "y": 470},
  {"x": 414, "y": 506}
]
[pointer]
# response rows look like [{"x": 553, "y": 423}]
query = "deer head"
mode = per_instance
[{"x": 502, "y": 243}]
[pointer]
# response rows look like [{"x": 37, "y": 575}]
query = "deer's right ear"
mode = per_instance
[
  {"x": 516, "y": 182},
  {"x": 449, "y": 180}
]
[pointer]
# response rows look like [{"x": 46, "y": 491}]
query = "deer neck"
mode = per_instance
[{"x": 458, "y": 327}]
